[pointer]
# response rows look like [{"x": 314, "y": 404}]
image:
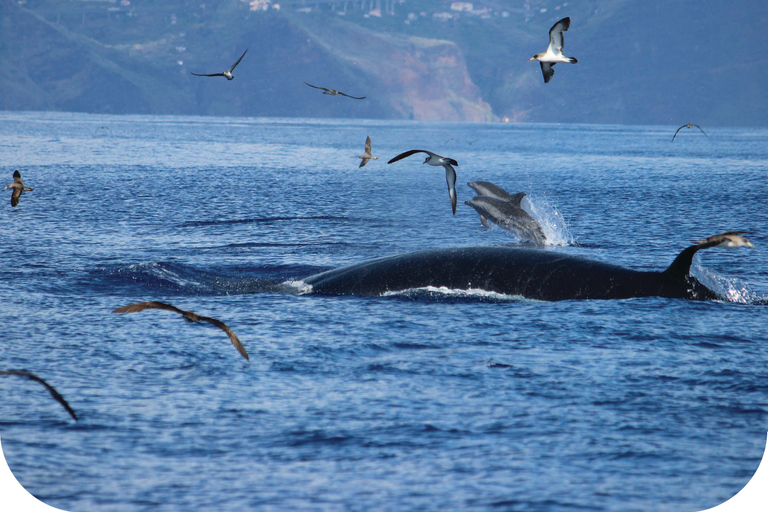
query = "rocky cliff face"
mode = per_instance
[
  {"x": 410, "y": 77},
  {"x": 46, "y": 66}
]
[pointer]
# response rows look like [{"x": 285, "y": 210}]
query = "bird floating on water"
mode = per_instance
[
  {"x": 554, "y": 53},
  {"x": 228, "y": 73},
  {"x": 729, "y": 239},
  {"x": 334, "y": 92},
  {"x": 437, "y": 160},
  {"x": 688, "y": 126},
  {"x": 367, "y": 155},
  {"x": 55, "y": 394},
  {"x": 18, "y": 187},
  {"x": 188, "y": 315}
]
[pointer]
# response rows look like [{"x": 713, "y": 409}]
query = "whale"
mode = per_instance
[
  {"x": 515, "y": 271},
  {"x": 509, "y": 215}
]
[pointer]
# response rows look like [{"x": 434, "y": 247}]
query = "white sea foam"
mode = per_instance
[
  {"x": 475, "y": 293},
  {"x": 298, "y": 286}
]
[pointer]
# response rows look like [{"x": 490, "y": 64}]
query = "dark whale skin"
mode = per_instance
[{"x": 531, "y": 273}]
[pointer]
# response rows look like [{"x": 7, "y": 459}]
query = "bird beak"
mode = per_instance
[{"x": 532, "y": 58}]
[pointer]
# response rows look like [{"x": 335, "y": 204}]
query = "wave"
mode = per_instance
[
  {"x": 164, "y": 277},
  {"x": 197, "y": 223}
]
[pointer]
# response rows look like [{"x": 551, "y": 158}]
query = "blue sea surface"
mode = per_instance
[{"x": 426, "y": 400}]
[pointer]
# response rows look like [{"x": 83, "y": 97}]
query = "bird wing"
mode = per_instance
[
  {"x": 232, "y": 336},
  {"x": 212, "y": 74},
  {"x": 702, "y": 131},
  {"x": 675, "y": 135},
  {"x": 450, "y": 178},
  {"x": 55, "y": 394},
  {"x": 316, "y": 87},
  {"x": 15, "y": 196},
  {"x": 364, "y": 161},
  {"x": 409, "y": 153},
  {"x": 238, "y": 61},
  {"x": 17, "y": 177},
  {"x": 141, "y": 306},
  {"x": 368, "y": 145},
  {"x": 547, "y": 71},
  {"x": 556, "y": 40},
  {"x": 348, "y": 96}
]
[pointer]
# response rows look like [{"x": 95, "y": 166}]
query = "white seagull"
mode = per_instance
[
  {"x": 554, "y": 53},
  {"x": 228, "y": 73},
  {"x": 367, "y": 155},
  {"x": 437, "y": 160}
]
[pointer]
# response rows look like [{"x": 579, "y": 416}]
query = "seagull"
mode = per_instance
[
  {"x": 18, "y": 187},
  {"x": 688, "y": 126},
  {"x": 729, "y": 239},
  {"x": 334, "y": 92},
  {"x": 436, "y": 160},
  {"x": 188, "y": 315},
  {"x": 55, "y": 394},
  {"x": 367, "y": 155},
  {"x": 227, "y": 73},
  {"x": 554, "y": 53}
]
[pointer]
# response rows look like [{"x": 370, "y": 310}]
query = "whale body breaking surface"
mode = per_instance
[{"x": 530, "y": 273}]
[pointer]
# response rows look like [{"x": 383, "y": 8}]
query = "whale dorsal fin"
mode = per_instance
[
  {"x": 517, "y": 198},
  {"x": 680, "y": 268}
]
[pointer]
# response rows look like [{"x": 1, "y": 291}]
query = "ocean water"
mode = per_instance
[{"x": 432, "y": 400}]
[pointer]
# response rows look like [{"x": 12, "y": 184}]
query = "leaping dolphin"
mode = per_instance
[
  {"x": 509, "y": 215},
  {"x": 531, "y": 273},
  {"x": 486, "y": 188}
]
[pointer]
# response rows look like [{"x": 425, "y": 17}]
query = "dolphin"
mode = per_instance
[
  {"x": 509, "y": 215},
  {"x": 530, "y": 273},
  {"x": 486, "y": 188}
]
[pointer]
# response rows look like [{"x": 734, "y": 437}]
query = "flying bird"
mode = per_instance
[
  {"x": 367, "y": 155},
  {"x": 55, "y": 394},
  {"x": 554, "y": 53},
  {"x": 188, "y": 315},
  {"x": 688, "y": 126},
  {"x": 18, "y": 187},
  {"x": 227, "y": 73},
  {"x": 334, "y": 92},
  {"x": 729, "y": 239},
  {"x": 437, "y": 160}
]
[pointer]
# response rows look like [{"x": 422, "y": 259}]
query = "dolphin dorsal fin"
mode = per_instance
[
  {"x": 680, "y": 268},
  {"x": 516, "y": 199}
]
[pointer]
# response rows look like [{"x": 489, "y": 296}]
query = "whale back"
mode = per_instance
[{"x": 530, "y": 273}]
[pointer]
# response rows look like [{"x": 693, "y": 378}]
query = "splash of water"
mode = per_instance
[{"x": 551, "y": 221}]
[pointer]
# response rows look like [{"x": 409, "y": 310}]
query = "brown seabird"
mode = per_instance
[
  {"x": 729, "y": 239},
  {"x": 688, "y": 126},
  {"x": 367, "y": 155},
  {"x": 188, "y": 315},
  {"x": 437, "y": 160},
  {"x": 554, "y": 53},
  {"x": 55, "y": 394},
  {"x": 18, "y": 187},
  {"x": 334, "y": 92},
  {"x": 228, "y": 73}
]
